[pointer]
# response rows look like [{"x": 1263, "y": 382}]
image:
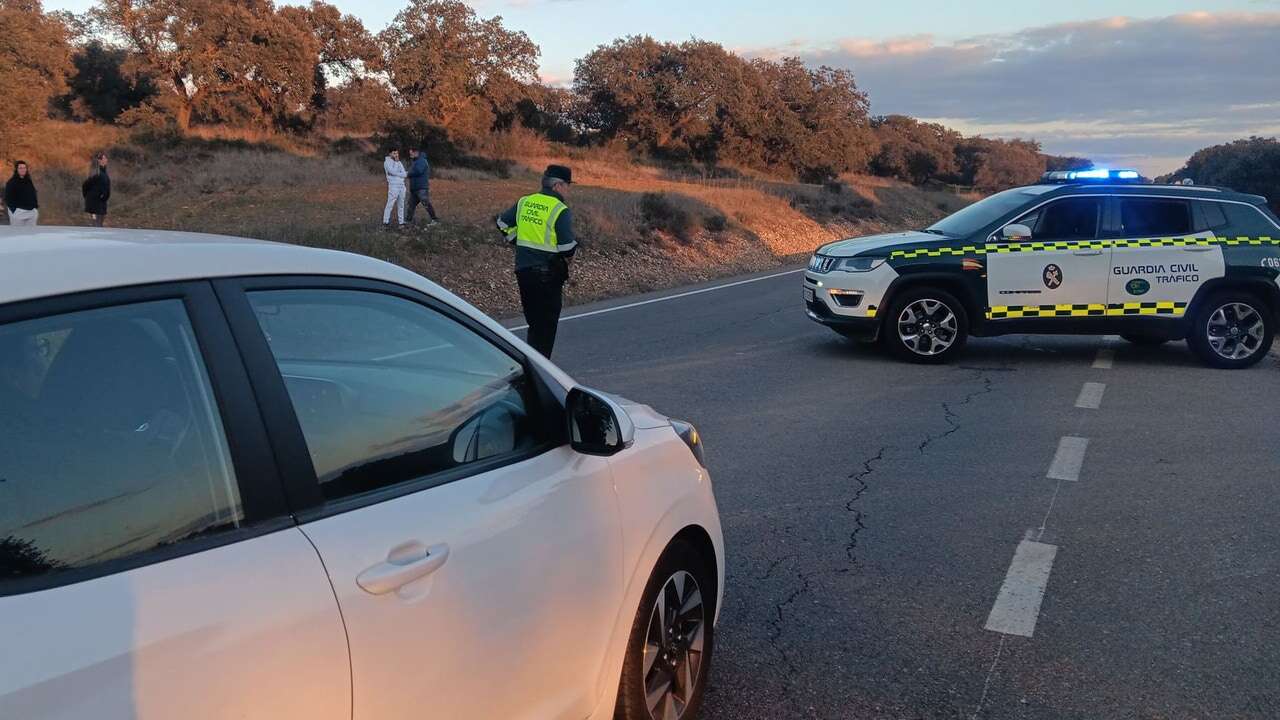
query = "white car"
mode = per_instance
[{"x": 249, "y": 480}]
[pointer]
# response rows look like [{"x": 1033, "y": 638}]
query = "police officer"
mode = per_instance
[{"x": 541, "y": 227}]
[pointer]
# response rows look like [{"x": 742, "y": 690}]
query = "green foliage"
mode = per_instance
[
  {"x": 105, "y": 82},
  {"x": 35, "y": 58},
  {"x": 698, "y": 101},
  {"x": 1251, "y": 166},
  {"x": 657, "y": 212}
]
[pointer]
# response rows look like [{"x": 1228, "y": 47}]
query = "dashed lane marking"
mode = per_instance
[
  {"x": 1069, "y": 459},
  {"x": 1091, "y": 396},
  {"x": 1017, "y": 606},
  {"x": 1106, "y": 358}
]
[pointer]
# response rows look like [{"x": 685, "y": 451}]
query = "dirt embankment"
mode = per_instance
[{"x": 641, "y": 228}]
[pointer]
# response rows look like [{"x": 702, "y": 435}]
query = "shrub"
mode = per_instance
[
  {"x": 659, "y": 213},
  {"x": 715, "y": 223}
]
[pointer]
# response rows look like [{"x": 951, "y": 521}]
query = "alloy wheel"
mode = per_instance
[
  {"x": 928, "y": 327},
  {"x": 673, "y": 649},
  {"x": 1236, "y": 331}
]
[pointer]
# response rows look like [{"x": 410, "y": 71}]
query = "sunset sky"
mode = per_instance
[{"x": 1144, "y": 89}]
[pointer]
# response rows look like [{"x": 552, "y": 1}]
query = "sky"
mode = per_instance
[{"x": 1144, "y": 88}]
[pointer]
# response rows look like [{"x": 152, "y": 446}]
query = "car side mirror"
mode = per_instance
[
  {"x": 597, "y": 424},
  {"x": 1016, "y": 232}
]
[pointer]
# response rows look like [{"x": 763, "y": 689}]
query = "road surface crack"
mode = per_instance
[
  {"x": 860, "y": 477},
  {"x": 949, "y": 414}
]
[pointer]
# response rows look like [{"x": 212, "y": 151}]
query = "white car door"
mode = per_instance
[
  {"x": 476, "y": 558},
  {"x": 1160, "y": 262},
  {"x": 1059, "y": 272},
  {"x": 148, "y": 568}
]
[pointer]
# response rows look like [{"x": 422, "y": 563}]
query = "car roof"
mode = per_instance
[
  {"x": 47, "y": 261},
  {"x": 1199, "y": 192}
]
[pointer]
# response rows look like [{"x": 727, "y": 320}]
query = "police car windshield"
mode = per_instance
[{"x": 984, "y": 212}]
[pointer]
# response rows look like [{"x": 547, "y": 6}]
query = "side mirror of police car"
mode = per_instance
[
  {"x": 597, "y": 424},
  {"x": 1016, "y": 232}
]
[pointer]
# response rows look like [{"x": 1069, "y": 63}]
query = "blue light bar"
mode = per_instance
[{"x": 1068, "y": 176}]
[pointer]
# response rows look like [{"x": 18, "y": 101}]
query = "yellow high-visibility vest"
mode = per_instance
[{"x": 536, "y": 217}]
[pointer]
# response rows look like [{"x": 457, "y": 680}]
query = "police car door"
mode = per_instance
[
  {"x": 1159, "y": 260},
  {"x": 1060, "y": 272}
]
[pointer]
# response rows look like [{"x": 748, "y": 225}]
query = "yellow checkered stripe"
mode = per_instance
[
  {"x": 1024, "y": 247},
  {"x": 1011, "y": 312}
]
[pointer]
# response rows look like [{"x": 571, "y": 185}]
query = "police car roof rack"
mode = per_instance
[{"x": 1064, "y": 177}]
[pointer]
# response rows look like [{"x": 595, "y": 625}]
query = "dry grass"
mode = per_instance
[{"x": 238, "y": 183}]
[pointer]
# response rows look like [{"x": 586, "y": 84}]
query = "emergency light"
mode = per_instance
[{"x": 1068, "y": 176}]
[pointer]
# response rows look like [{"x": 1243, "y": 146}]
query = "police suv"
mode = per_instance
[{"x": 1084, "y": 252}]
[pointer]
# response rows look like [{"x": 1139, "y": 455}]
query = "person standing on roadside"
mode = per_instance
[
  {"x": 20, "y": 197},
  {"x": 395, "y": 188},
  {"x": 541, "y": 227},
  {"x": 97, "y": 190},
  {"x": 420, "y": 186}
]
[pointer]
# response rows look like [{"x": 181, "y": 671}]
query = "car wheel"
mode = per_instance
[
  {"x": 1232, "y": 330},
  {"x": 926, "y": 326},
  {"x": 669, "y": 652},
  {"x": 1148, "y": 340}
]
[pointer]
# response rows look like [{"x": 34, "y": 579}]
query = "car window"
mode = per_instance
[
  {"x": 1248, "y": 221},
  {"x": 1066, "y": 219},
  {"x": 1213, "y": 214},
  {"x": 1144, "y": 217},
  {"x": 974, "y": 217},
  {"x": 388, "y": 391},
  {"x": 112, "y": 443}
]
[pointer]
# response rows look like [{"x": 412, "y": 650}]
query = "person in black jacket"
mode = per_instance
[
  {"x": 20, "y": 196},
  {"x": 97, "y": 190}
]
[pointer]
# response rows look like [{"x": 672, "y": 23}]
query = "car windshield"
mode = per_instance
[{"x": 984, "y": 212}]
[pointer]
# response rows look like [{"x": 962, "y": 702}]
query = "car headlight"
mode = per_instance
[
  {"x": 691, "y": 437},
  {"x": 861, "y": 263}
]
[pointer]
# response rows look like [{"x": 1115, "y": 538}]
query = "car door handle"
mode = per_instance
[
  {"x": 404, "y": 564},
  {"x": 1086, "y": 253},
  {"x": 1198, "y": 248}
]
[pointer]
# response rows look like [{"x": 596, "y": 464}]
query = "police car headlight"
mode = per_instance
[
  {"x": 861, "y": 263},
  {"x": 691, "y": 437}
]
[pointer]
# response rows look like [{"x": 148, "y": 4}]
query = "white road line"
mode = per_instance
[
  {"x": 1091, "y": 396},
  {"x": 986, "y": 686},
  {"x": 1069, "y": 459},
  {"x": 677, "y": 296},
  {"x": 1017, "y": 605},
  {"x": 1106, "y": 358}
]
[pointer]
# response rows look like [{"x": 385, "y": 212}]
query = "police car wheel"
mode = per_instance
[
  {"x": 1147, "y": 340},
  {"x": 1232, "y": 330},
  {"x": 926, "y": 326}
]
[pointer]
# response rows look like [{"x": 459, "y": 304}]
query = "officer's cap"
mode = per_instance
[{"x": 559, "y": 172}]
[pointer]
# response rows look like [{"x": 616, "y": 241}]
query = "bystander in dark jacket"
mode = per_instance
[
  {"x": 97, "y": 190},
  {"x": 20, "y": 198}
]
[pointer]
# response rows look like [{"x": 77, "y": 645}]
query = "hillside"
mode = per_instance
[{"x": 642, "y": 227}]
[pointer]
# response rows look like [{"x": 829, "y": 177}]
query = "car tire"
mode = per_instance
[
  {"x": 1145, "y": 340},
  {"x": 670, "y": 650},
  {"x": 940, "y": 341},
  {"x": 1232, "y": 330}
]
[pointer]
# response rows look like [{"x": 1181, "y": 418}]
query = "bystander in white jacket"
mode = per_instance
[{"x": 395, "y": 189}]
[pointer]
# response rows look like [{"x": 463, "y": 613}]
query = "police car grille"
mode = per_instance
[{"x": 821, "y": 263}]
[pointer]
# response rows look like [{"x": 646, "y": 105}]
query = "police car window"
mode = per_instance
[
  {"x": 1247, "y": 221},
  {"x": 389, "y": 391},
  {"x": 1214, "y": 216},
  {"x": 984, "y": 212},
  {"x": 1147, "y": 217},
  {"x": 1066, "y": 219},
  {"x": 112, "y": 443}
]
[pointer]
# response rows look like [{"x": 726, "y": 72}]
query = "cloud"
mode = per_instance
[{"x": 1113, "y": 87}]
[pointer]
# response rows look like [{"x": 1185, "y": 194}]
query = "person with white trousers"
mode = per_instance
[{"x": 395, "y": 188}]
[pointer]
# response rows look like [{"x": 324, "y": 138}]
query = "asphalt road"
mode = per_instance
[{"x": 873, "y": 509}]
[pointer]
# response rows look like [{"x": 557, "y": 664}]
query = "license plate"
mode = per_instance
[{"x": 808, "y": 295}]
